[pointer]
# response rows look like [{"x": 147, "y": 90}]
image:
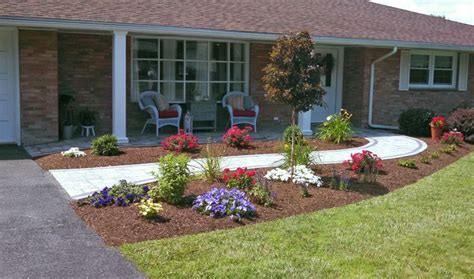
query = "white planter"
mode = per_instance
[{"x": 68, "y": 131}]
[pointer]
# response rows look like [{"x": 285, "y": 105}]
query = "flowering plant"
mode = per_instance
[
  {"x": 301, "y": 175},
  {"x": 452, "y": 137},
  {"x": 122, "y": 194},
  {"x": 438, "y": 122},
  {"x": 149, "y": 209},
  {"x": 73, "y": 152},
  {"x": 240, "y": 178},
  {"x": 238, "y": 138},
  {"x": 366, "y": 163},
  {"x": 224, "y": 202},
  {"x": 181, "y": 142}
]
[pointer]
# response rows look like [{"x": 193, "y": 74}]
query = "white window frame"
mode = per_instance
[
  {"x": 135, "y": 95},
  {"x": 431, "y": 67}
]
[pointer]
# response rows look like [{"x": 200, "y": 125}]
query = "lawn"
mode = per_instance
[{"x": 425, "y": 229}]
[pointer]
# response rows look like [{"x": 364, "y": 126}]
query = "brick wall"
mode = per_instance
[
  {"x": 389, "y": 102},
  {"x": 85, "y": 71},
  {"x": 259, "y": 58},
  {"x": 38, "y": 86}
]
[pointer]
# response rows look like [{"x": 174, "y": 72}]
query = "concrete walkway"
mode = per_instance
[
  {"x": 40, "y": 235},
  {"x": 79, "y": 183}
]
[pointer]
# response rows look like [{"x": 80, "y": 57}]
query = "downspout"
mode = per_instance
[{"x": 371, "y": 91}]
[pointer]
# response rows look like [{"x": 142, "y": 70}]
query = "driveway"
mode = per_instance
[{"x": 40, "y": 235}]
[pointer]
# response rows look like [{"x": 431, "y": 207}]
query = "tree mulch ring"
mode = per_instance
[
  {"x": 139, "y": 155},
  {"x": 119, "y": 225}
]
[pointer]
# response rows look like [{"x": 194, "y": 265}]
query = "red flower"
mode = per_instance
[
  {"x": 452, "y": 138},
  {"x": 438, "y": 121},
  {"x": 238, "y": 138},
  {"x": 181, "y": 142}
]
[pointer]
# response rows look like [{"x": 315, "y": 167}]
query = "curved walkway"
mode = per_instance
[{"x": 79, "y": 183}]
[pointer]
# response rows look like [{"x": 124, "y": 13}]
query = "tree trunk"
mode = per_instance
[{"x": 292, "y": 153}]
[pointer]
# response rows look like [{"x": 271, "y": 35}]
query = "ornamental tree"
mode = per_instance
[{"x": 293, "y": 77}]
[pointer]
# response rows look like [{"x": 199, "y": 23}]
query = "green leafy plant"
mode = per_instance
[
  {"x": 149, "y": 208},
  {"x": 339, "y": 182},
  {"x": 449, "y": 149},
  {"x": 407, "y": 163},
  {"x": 416, "y": 122},
  {"x": 260, "y": 193},
  {"x": 172, "y": 179},
  {"x": 293, "y": 130},
  {"x": 435, "y": 155},
  {"x": 301, "y": 155},
  {"x": 337, "y": 128},
  {"x": 292, "y": 77},
  {"x": 211, "y": 164},
  {"x": 105, "y": 145},
  {"x": 426, "y": 159}
]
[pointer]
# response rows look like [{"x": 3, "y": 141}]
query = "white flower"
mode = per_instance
[
  {"x": 302, "y": 175},
  {"x": 73, "y": 152}
]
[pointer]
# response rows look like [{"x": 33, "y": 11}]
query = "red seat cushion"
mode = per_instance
[
  {"x": 168, "y": 114},
  {"x": 244, "y": 113}
]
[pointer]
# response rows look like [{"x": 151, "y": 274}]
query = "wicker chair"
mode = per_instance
[
  {"x": 249, "y": 115},
  {"x": 170, "y": 117}
]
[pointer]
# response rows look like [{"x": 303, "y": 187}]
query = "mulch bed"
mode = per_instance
[
  {"x": 119, "y": 225},
  {"x": 138, "y": 155}
]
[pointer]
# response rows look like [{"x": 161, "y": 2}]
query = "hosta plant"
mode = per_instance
[
  {"x": 366, "y": 163},
  {"x": 238, "y": 138},
  {"x": 452, "y": 137},
  {"x": 181, "y": 142},
  {"x": 241, "y": 178},
  {"x": 219, "y": 202},
  {"x": 73, "y": 152},
  {"x": 337, "y": 128}
]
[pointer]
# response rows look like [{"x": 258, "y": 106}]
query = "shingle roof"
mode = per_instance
[{"x": 327, "y": 18}]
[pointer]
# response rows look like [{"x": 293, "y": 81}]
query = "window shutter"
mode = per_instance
[
  {"x": 463, "y": 71},
  {"x": 404, "y": 70}
]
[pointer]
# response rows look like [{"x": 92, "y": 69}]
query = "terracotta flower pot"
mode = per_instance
[{"x": 436, "y": 133}]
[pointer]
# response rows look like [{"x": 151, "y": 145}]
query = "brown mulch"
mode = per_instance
[
  {"x": 138, "y": 155},
  {"x": 119, "y": 225}
]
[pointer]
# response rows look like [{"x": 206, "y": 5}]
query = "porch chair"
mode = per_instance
[
  {"x": 241, "y": 109},
  {"x": 167, "y": 115}
]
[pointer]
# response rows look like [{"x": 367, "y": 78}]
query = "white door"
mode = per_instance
[
  {"x": 329, "y": 83},
  {"x": 7, "y": 89}
]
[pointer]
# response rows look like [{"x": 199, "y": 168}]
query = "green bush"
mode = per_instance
[
  {"x": 171, "y": 179},
  {"x": 435, "y": 155},
  {"x": 416, "y": 122},
  {"x": 299, "y": 137},
  {"x": 426, "y": 159},
  {"x": 337, "y": 128},
  {"x": 449, "y": 149},
  {"x": 302, "y": 155},
  {"x": 105, "y": 145},
  {"x": 407, "y": 163}
]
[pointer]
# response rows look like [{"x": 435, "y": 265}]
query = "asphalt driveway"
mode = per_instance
[{"x": 40, "y": 235}]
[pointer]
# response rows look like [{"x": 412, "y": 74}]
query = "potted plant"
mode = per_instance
[
  {"x": 437, "y": 124},
  {"x": 66, "y": 115}
]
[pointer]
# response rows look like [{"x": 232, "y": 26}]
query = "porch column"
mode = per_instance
[
  {"x": 304, "y": 121},
  {"x": 119, "y": 116}
]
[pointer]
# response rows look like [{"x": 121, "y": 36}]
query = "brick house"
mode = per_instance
[{"x": 384, "y": 60}]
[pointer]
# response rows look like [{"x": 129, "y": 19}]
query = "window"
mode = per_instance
[
  {"x": 432, "y": 69},
  {"x": 188, "y": 70}
]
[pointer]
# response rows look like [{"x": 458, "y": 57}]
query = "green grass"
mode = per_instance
[{"x": 423, "y": 230}]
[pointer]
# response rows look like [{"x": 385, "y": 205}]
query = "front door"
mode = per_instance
[
  {"x": 329, "y": 83},
  {"x": 7, "y": 91}
]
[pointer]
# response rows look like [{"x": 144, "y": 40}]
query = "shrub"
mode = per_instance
[
  {"x": 238, "y": 138},
  {"x": 299, "y": 137},
  {"x": 449, "y": 149},
  {"x": 122, "y": 194},
  {"x": 415, "y": 122},
  {"x": 260, "y": 192},
  {"x": 73, "y": 152},
  {"x": 365, "y": 163},
  {"x": 337, "y": 128},
  {"x": 224, "y": 202},
  {"x": 452, "y": 138},
  {"x": 407, "y": 163},
  {"x": 435, "y": 155},
  {"x": 462, "y": 120},
  {"x": 301, "y": 155},
  {"x": 240, "y": 178},
  {"x": 211, "y": 165},
  {"x": 105, "y": 145},
  {"x": 438, "y": 122},
  {"x": 181, "y": 142},
  {"x": 172, "y": 179},
  {"x": 149, "y": 209},
  {"x": 425, "y": 159}
]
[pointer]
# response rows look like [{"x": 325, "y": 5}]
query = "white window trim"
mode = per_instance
[
  {"x": 134, "y": 95},
  {"x": 432, "y": 55}
]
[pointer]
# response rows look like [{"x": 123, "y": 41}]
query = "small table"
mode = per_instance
[{"x": 204, "y": 111}]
